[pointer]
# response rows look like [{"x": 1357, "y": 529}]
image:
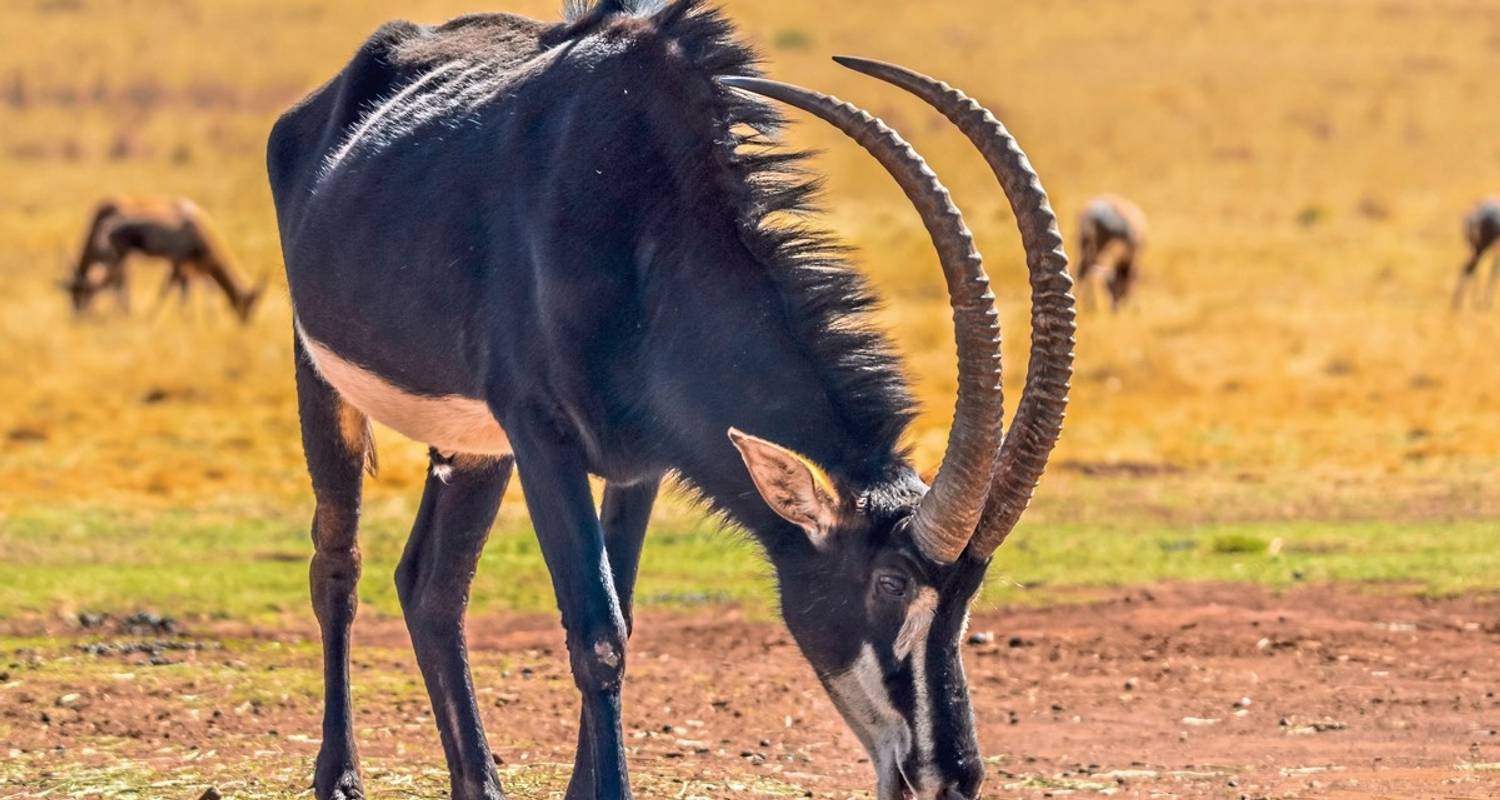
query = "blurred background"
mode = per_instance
[
  {"x": 1288, "y": 365},
  {"x": 1286, "y": 398}
]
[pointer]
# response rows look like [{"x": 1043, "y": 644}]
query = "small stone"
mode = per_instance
[
  {"x": 211, "y": 793},
  {"x": 982, "y": 638}
]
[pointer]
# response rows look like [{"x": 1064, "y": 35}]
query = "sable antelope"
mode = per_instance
[
  {"x": 171, "y": 228},
  {"x": 1482, "y": 230},
  {"x": 552, "y": 247},
  {"x": 1112, "y": 234}
]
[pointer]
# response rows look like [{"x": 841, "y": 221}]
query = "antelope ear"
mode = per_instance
[{"x": 791, "y": 485}]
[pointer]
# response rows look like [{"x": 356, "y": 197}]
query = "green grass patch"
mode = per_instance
[
  {"x": 1436, "y": 557},
  {"x": 1234, "y": 543},
  {"x": 793, "y": 39},
  {"x": 244, "y": 566},
  {"x": 247, "y": 566}
]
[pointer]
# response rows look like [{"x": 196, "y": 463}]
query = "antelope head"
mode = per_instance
[{"x": 876, "y": 588}]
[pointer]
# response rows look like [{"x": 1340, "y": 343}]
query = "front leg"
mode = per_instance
[
  {"x": 554, "y": 479},
  {"x": 1489, "y": 289},
  {"x": 625, "y": 513},
  {"x": 1466, "y": 275}
]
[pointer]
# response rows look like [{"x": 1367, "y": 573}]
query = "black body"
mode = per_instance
[
  {"x": 509, "y": 289},
  {"x": 594, "y": 330},
  {"x": 574, "y": 225}
]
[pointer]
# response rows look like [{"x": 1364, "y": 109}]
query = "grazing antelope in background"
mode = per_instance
[
  {"x": 1482, "y": 230},
  {"x": 551, "y": 247},
  {"x": 170, "y": 228},
  {"x": 1111, "y": 236}
]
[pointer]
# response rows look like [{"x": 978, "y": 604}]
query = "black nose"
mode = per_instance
[{"x": 954, "y": 793}]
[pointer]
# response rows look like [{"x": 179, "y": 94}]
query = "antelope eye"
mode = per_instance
[{"x": 892, "y": 584}]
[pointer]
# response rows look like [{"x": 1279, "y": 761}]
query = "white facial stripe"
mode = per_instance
[
  {"x": 918, "y": 622},
  {"x": 925, "y": 746},
  {"x": 451, "y": 423},
  {"x": 912, "y": 642},
  {"x": 861, "y": 696}
]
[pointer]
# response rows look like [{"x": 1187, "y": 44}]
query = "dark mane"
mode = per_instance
[{"x": 773, "y": 196}]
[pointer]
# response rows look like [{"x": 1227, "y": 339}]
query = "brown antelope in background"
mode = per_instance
[
  {"x": 1482, "y": 229},
  {"x": 1112, "y": 234},
  {"x": 174, "y": 229}
]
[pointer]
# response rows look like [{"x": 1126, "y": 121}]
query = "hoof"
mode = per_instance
[
  {"x": 347, "y": 787},
  {"x": 489, "y": 790},
  {"x": 584, "y": 790},
  {"x": 338, "y": 782}
]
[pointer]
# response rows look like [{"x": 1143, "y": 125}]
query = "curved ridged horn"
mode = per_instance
[
  {"x": 1039, "y": 417},
  {"x": 946, "y": 518}
]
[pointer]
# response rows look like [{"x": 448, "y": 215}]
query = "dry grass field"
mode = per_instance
[
  {"x": 1289, "y": 398},
  {"x": 1305, "y": 166}
]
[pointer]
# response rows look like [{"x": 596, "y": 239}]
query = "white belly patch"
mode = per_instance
[{"x": 452, "y": 424}]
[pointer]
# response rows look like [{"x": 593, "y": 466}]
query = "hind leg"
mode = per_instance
[
  {"x": 167, "y": 285},
  {"x": 1086, "y": 289},
  {"x": 334, "y": 441},
  {"x": 115, "y": 280},
  {"x": 458, "y": 507},
  {"x": 625, "y": 513},
  {"x": 1120, "y": 279},
  {"x": 1087, "y": 261}
]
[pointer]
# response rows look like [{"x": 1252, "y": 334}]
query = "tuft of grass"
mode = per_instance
[
  {"x": 1311, "y": 216},
  {"x": 793, "y": 39},
  {"x": 1238, "y": 543}
]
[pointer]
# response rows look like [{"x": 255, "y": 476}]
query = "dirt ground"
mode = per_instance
[{"x": 1184, "y": 691}]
